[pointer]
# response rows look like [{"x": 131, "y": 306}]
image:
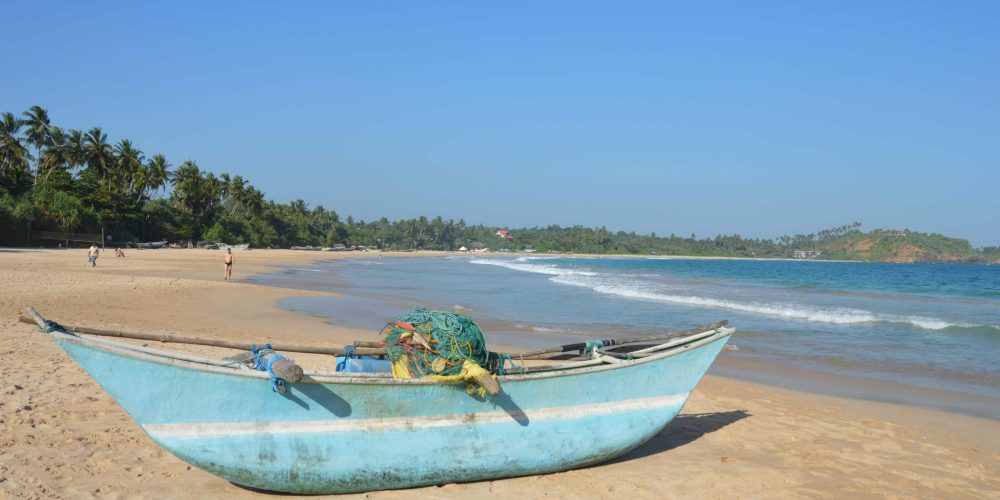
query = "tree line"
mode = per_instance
[{"x": 77, "y": 181}]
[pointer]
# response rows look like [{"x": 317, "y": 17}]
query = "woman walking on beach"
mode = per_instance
[{"x": 228, "y": 259}]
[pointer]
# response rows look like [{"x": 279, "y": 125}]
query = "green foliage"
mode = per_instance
[
  {"x": 14, "y": 155},
  {"x": 227, "y": 230},
  {"x": 62, "y": 211},
  {"x": 79, "y": 182},
  {"x": 990, "y": 254}
]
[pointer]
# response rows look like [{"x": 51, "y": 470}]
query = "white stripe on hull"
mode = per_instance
[{"x": 203, "y": 430}]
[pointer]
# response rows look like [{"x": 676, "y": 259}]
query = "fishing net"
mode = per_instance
[{"x": 427, "y": 343}]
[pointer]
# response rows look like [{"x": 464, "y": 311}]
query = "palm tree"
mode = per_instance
[
  {"x": 57, "y": 156},
  {"x": 127, "y": 164},
  {"x": 140, "y": 182},
  {"x": 13, "y": 154},
  {"x": 237, "y": 193},
  {"x": 157, "y": 172},
  {"x": 299, "y": 207},
  {"x": 214, "y": 189},
  {"x": 37, "y": 133},
  {"x": 192, "y": 193},
  {"x": 150, "y": 177},
  {"x": 96, "y": 151},
  {"x": 75, "y": 145},
  {"x": 254, "y": 203}
]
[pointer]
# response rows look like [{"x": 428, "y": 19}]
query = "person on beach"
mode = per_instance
[
  {"x": 228, "y": 259},
  {"x": 92, "y": 254},
  {"x": 119, "y": 252}
]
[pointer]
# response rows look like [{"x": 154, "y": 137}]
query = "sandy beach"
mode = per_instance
[{"x": 62, "y": 436}]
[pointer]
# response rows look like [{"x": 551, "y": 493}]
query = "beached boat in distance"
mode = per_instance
[
  {"x": 152, "y": 244},
  {"x": 224, "y": 246},
  {"x": 337, "y": 432}
]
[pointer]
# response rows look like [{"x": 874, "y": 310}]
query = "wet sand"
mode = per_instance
[{"x": 61, "y": 436}]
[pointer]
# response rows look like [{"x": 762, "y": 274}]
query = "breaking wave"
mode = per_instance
[
  {"x": 524, "y": 264},
  {"x": 633, "y": 287},
  {"x": 839, "y": 315}
]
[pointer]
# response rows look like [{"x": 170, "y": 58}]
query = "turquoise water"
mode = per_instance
[{"x": 928, "y": 326}]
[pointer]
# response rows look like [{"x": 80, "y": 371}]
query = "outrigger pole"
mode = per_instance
[{"x": 362, "y": 348}]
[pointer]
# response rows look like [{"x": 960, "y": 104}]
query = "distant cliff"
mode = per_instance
[{"x": 903, "y": 246}]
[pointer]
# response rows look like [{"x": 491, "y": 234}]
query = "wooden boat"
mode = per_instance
[
  {"x": 241, "y": 246},
  {"x": 152, "y": 244},
  {"x": 335, "y": 432}
]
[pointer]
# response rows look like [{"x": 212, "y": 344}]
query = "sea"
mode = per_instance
[{"x": 918, "y": 334}]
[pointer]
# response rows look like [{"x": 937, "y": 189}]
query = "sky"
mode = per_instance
[{"x": 757, "y": 118}]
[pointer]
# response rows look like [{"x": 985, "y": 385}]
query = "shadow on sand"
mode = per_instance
[{"x": 683, "y": 430}]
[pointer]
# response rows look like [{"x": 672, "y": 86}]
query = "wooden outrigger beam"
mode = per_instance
[
  {"x": 362, "y": 348},
  {"x": 291, "y": 372},
  {"x": 176, "y": 339},
  {"x": 283, "y": 367},
  {"x": 580, "y": 346}
]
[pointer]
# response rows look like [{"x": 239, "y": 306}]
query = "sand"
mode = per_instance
[{"x": 61, "y": 436}]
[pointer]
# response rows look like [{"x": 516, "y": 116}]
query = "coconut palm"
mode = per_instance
[
  {"x": 140, "y": 183},
  {"x": 254, "y": 203},
  {"x": 13, "y": 154},
  {"x": 157, "y": 172},
  {"x": 192, "y": 193},
  {"x": 75, "y": 145},
  {"x": 236, "y": 194},
  {"x": 127, "y": 162},
  {"x": 96, "y": 152},
  {"x": 57, "y": 156},
  {"x": 36, "y": 120}
]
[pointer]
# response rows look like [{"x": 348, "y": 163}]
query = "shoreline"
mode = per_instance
[
  {"x": 355, "y": 310},
  {"x": 854, "y": 387},
  {"x": 403, "y": 253},
  {"x": 423, "y": 253},
  {"x": 62, "y": 436}
]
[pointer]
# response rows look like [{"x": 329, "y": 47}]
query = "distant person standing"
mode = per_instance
[
  {"x": 92, "y": 254},
  {"x": 228, "y": 259}
]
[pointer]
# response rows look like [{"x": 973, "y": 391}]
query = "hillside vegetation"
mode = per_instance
[
  {"x": 72, "y": 181},
  {"x": 842, "y": 243}
]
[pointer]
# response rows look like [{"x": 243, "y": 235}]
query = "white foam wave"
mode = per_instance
[
  {"x": 519, "y": 265},
  {"x": 612, "y": 285},
  {"x": 839, "y": 315}
]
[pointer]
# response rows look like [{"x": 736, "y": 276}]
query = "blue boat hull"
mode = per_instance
[{"x": 328, "y": 435}]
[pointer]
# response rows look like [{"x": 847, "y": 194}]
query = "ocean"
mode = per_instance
[{"x": 924, "y": 334}]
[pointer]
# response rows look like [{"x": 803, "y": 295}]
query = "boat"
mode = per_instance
[
  {"x": 224, "y": 246},
  {"x": 152, "y": 244},
  {"x": 347, "y": 432}
]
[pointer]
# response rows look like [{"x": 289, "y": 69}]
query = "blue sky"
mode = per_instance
[{"x": 757, "y": 118}]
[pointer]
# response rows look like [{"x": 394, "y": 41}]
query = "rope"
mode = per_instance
[
  {"x": 588, "y": 351},
  {"x": 232, "y": 360},
  {"x": 436, "y": 343},
  {"x": 52, "y": 326},
  {"x": 263, "y": 358},
  {"x": 497, "y": 363},
  {"x": 348, "y": 354}
]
